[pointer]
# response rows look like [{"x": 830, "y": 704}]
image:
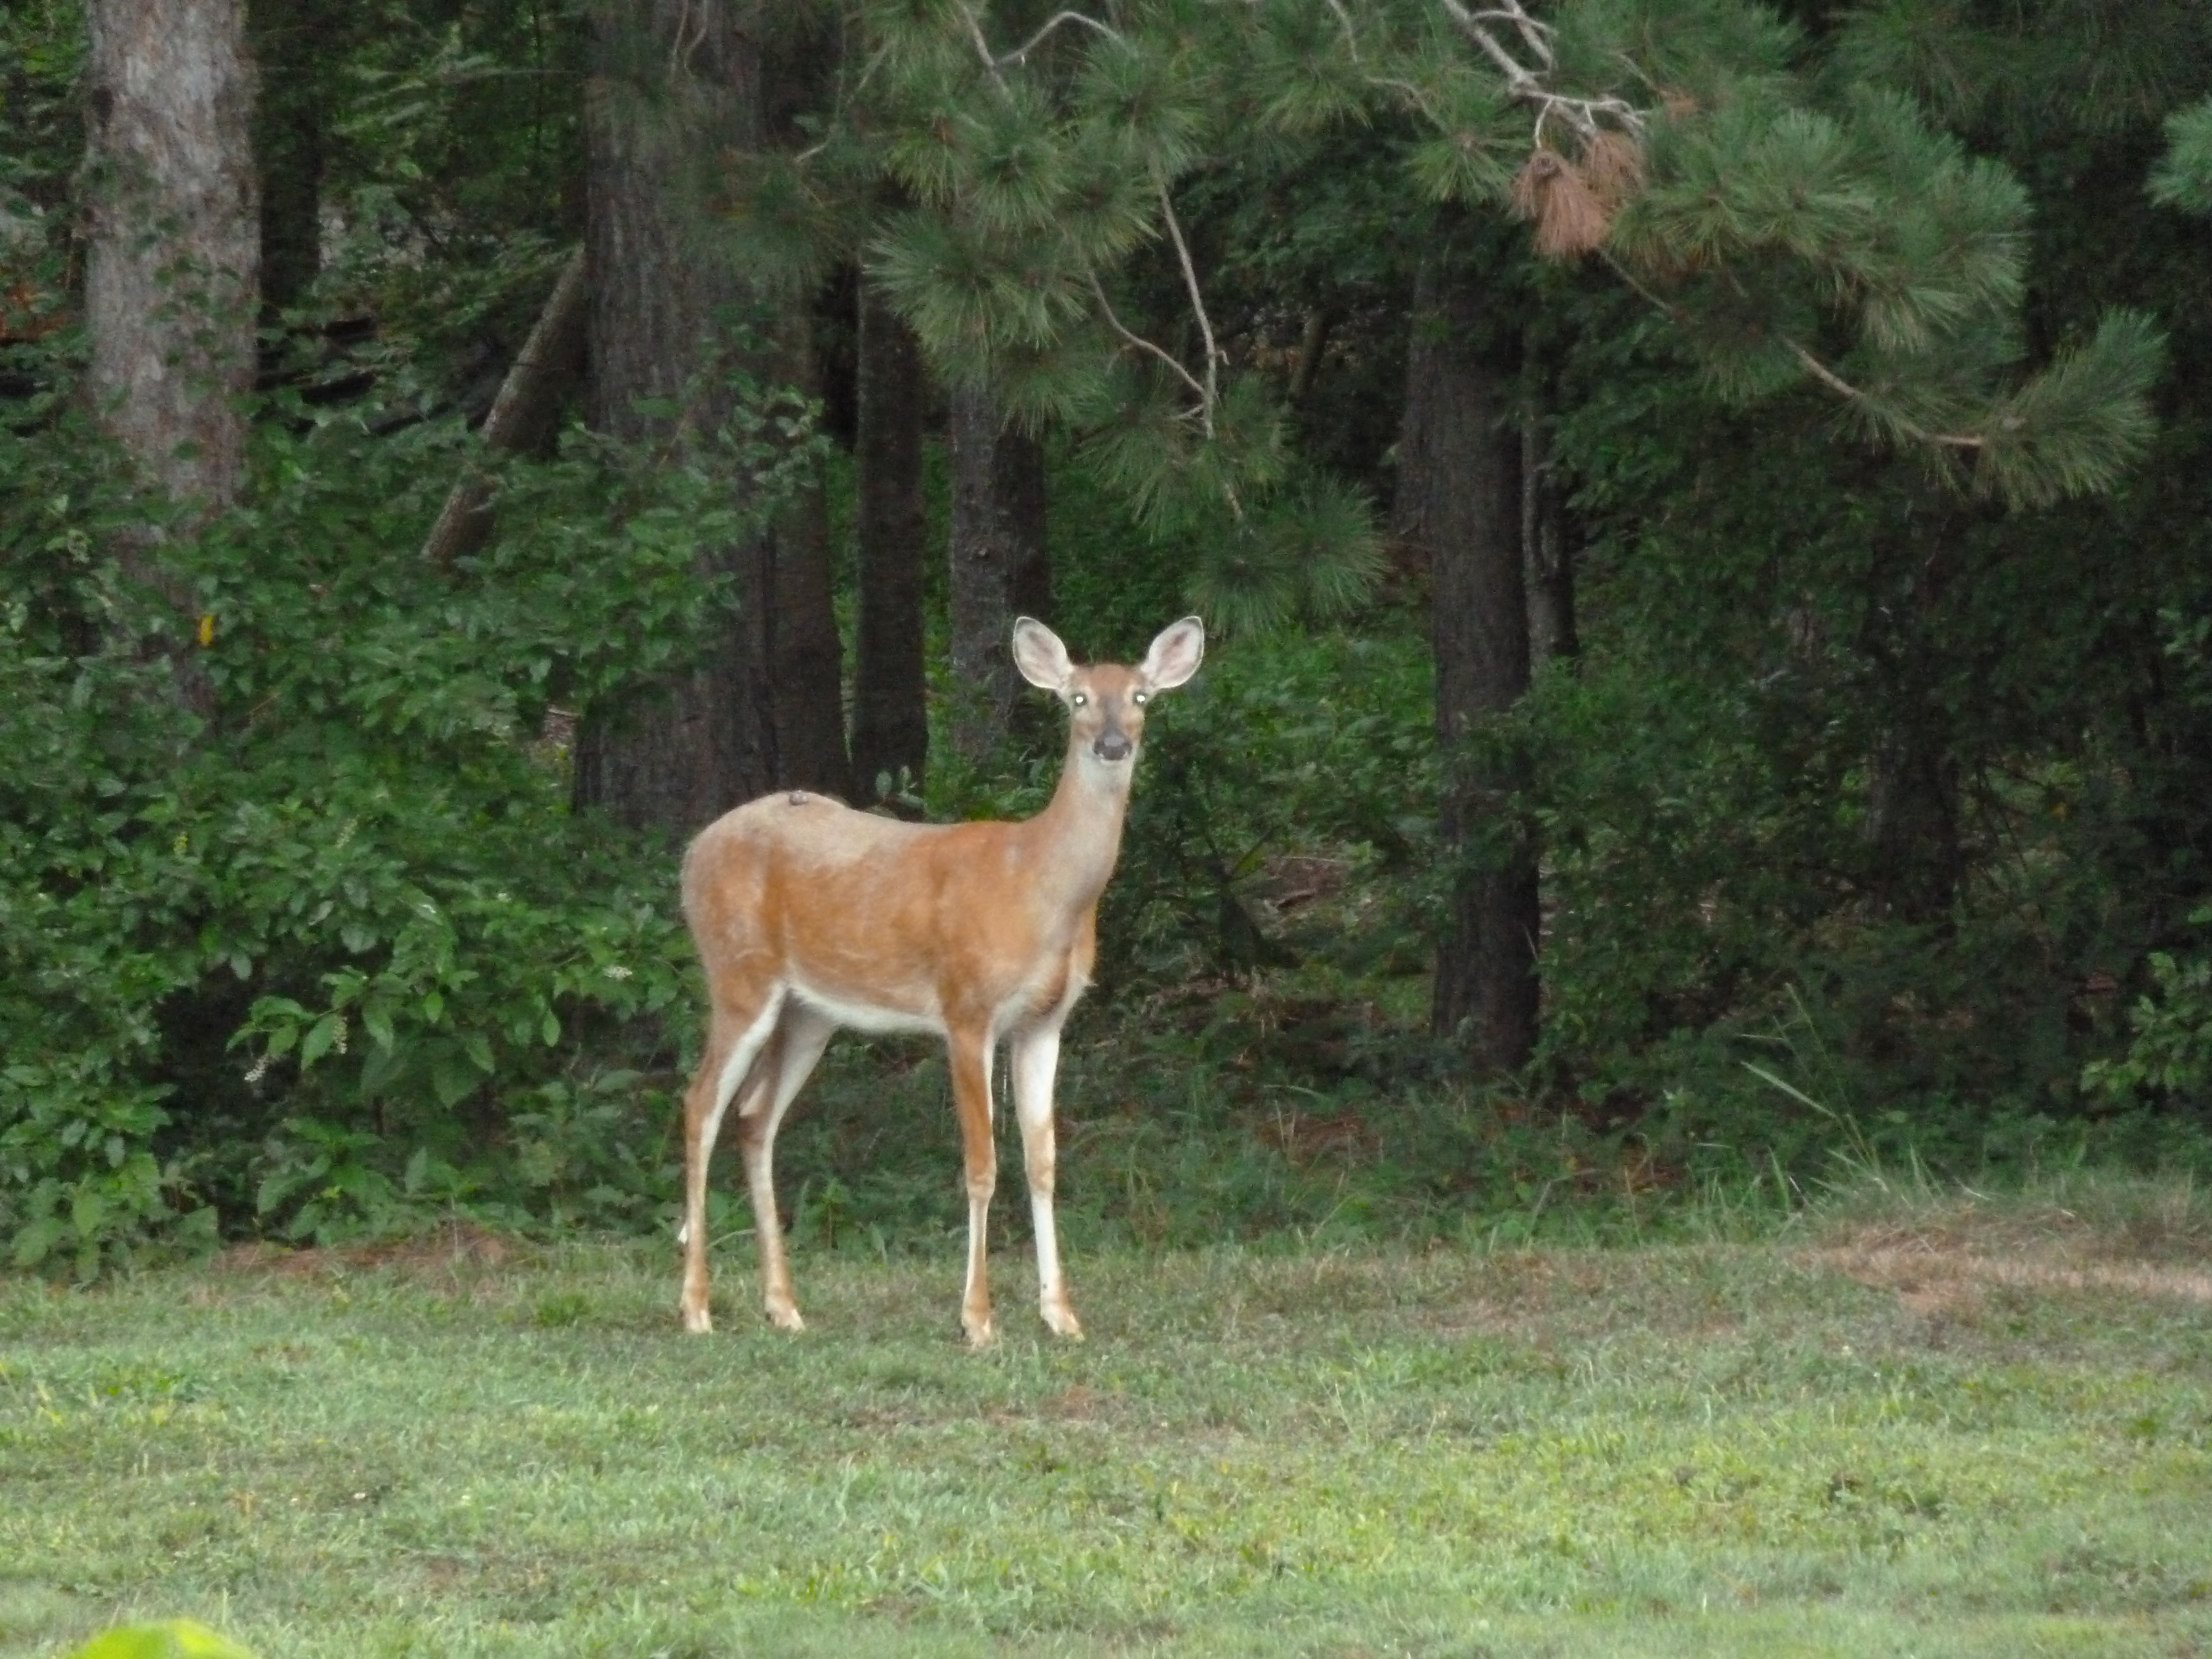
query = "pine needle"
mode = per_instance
[{"x": 1571, "y": 218}]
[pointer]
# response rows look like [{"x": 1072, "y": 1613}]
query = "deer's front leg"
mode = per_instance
[
  {"x": 970, "y": 1052},
  {"x": 1036, "y": 1062}
]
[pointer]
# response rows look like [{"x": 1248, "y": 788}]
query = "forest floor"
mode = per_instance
[{"x": 1933, "y": 1426}]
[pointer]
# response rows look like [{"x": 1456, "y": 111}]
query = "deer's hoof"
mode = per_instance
[
  {"x": 698, "y": 1321},
  {"x": 1061, "y": 1320},
  {"x": 785, "y": 1316}
]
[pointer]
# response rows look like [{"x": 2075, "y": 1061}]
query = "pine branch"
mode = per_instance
[
  {"x": 1842, "y": 388},
  {"x": 1525, "y": 85}
]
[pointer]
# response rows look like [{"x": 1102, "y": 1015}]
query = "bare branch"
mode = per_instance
[
  {"x": 1536, "y": 36},
  {"x": 1140, "y": 342},
  {"x": 1517, "y": 75},
  {"x": 982, "y": 46},
  {"x": 1525, "y": 85},
  {"x": 1051, "y": 23},
  {"x": 1197, "y": 301}
]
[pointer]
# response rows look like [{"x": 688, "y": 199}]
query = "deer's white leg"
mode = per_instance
[
  {"x": 1035, "y": 1062},
  {"x": 733, "y": 1044},
  {"x": 800, "y": 1038},
  {"x": 971, "y": 1099}
]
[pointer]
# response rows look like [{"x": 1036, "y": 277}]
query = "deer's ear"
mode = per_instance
[
  {"x": 1041, "y": 656},
  {"x": 1175, "y": 655}
]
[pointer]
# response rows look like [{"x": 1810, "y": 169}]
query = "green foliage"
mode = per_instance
[
  {"x": 2183, "y": 178},
  {"x": 338, "y": 950},
  {"x": 2169, "y": 1057}
]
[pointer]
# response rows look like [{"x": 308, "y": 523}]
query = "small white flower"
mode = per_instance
[
  {"x": 615, "y": 970},
  {"x": 259, "y": 1070}
]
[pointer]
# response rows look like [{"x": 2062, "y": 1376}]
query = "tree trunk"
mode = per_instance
[
  {"x": 799, "y": 658},
  {"x": 890, "y": 712},
  {"x": 1918, "y": 862},
  {"x": 764, "y": 710},
  {"x": 1459, "y": 498},
  {"x": 524, "y": 414},
  {"x": 170, "y": 285},
  {"x": 295, "y": 44},
  {"x": 999, "y": 567}
]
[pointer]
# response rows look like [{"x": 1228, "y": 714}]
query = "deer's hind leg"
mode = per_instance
[
  {"x": 801, "y": 1034},
  {"x": 970, "y": 1052},
  {"x": 743, "y": 1022}
]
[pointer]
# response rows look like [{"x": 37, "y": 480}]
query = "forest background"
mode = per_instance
[{"x": 1702, "y": 510}]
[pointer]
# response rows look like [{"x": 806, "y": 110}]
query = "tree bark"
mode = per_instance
[
  {"x": 999, "y": 567},
  {"x": 676, "y": 86},
  {"x": 1459, "y": 500},
  {"x": 171, "y": 282},
  {"x": 294, "y": 42},
  {"x": 890, "y": 712}
]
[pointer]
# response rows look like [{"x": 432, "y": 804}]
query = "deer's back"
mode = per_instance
[{"x": 885, "y": 924}]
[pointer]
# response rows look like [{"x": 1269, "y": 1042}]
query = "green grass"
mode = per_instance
[{"x": 1906, "y": 1426}]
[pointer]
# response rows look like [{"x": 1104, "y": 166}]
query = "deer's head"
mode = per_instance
[{"x": 1105, "y": 701}]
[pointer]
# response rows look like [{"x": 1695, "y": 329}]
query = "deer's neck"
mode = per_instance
[{"x": 1082, "y": 826}]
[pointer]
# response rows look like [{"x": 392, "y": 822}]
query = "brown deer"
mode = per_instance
[{"x": 810, "y": 916}]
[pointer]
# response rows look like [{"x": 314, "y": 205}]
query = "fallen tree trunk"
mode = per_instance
[{"x": 523, "y": 416}]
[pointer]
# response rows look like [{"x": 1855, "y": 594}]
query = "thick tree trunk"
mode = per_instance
[
  {"x": 999, "y": 567},
  {"x": 294, "y": 42},
  {"x": 890, "y": 712},
  {"x": 798, "y": 656},
  {"x": 1918, "y": 862},
  {"x": 170, "y": 286},
  {"x": 764, "y": 710},
  {"x": 1459, "y": 499}
]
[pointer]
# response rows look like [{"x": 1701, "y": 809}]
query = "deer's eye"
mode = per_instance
[
  {"x": 1141, "y": 698},
  {"x": 1079, "y": 699}
]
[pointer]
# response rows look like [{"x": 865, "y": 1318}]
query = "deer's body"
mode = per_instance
[{"x": 810, "y": 916}]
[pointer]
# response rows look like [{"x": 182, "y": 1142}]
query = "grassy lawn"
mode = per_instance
[{"x": 1936, "y": 1428}]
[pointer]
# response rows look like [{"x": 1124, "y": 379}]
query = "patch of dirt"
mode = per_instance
[
  {"x": 460, "y": 1245},
  {"x": 1934, "y": 1277}
]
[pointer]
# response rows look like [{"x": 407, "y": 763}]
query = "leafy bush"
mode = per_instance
[{"x": 338, "y": 948}]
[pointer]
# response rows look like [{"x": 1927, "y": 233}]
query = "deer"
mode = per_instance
[{"x": 811, "y": 917}]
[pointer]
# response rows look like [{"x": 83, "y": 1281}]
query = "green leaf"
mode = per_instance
[
  {"x": 453, "y": 1077},
  {"x": 376, "y": 1019},
  {"x": 322, "y": 1036}
]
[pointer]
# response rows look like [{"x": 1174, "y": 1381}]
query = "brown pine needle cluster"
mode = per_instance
[
  {"x": 1572, "y": 200},
  {"x": 1571, "y": 220}
]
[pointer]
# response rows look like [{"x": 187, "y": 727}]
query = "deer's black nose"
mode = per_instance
[{"x": 1112, "y": 746}]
